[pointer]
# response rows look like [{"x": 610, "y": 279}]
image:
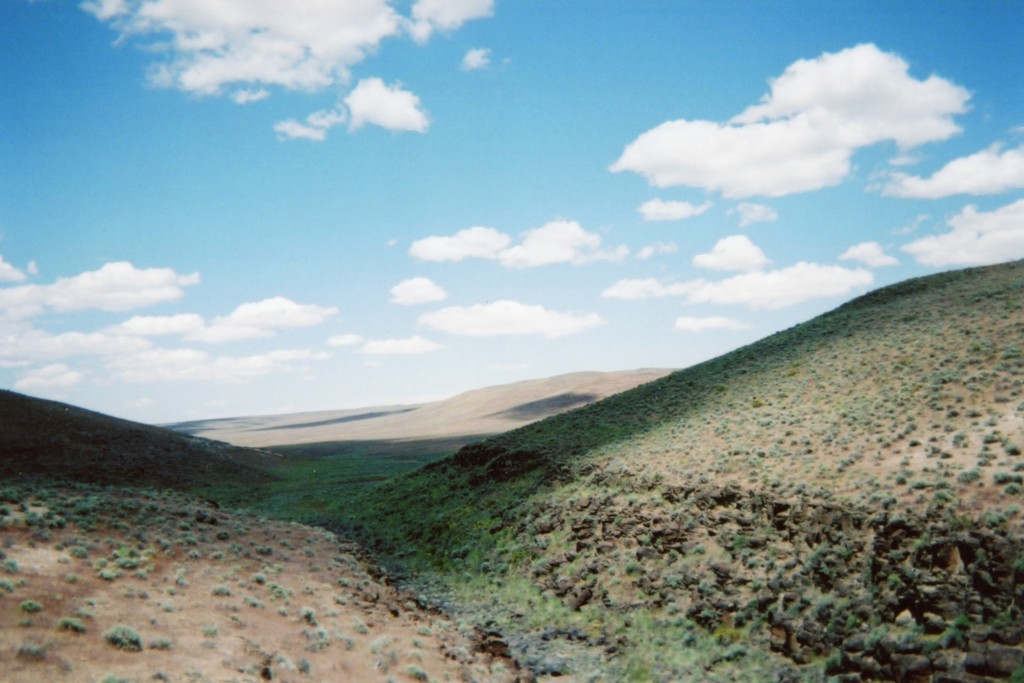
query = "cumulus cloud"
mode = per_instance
[
  {"x": 804, "y": 132},
  {"x": 159, "y": 325},
  {"x": 647, "y": 288},
  {"x": 661, "y": 210},
  {"x": 388, "y": 106},
  {"x": 191, "y": 365},
  {"x": 261, "y": 319},
  {"x": 760, "y": 289},
  {"x": 989, "y": 171},
  {"x": 754, "y": 213},
  {"x": 475, "y": 242},
  {"x": 558, "y": 241},
  {"x": 417, "y": 290},
  {"x": 386, "y": 347},
  {"x": 736, "y": 252},
  {"x": 246, "y": 95},
  {"x": 116, "y": 286},
  {"x": 345, "y": 340},
  {"x": 314, "y": 128},
  {"x": 655, "y": 249},
  {"x": 783, "y": 287},
  {"x": 870, "y": 254},
  {"x": 446, "y": 15},
  {"x": 239, "y": 46},
  {"x": 507, "y": 318},
  {"x": 9, "y": 273},
  {"x": 32, "y": 345},
  {"x": 476, "y": 59},
  {"x": 48, "y": 377},
  {"x": 687, "y": 324},
  {"x": 975, "y": 238}
]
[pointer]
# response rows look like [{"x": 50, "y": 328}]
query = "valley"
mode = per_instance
[{"x": 838, "y": 501}]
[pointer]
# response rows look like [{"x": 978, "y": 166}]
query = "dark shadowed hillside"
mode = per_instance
[
  {"x": 52, "y": 440},
  {"x": 839, "y": 499}
]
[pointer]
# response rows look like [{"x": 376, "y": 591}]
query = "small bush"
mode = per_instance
[
  {"x": 30, "y": 607},
  {"x": 71, "y": 624},
  {"x": 124, "y": 638}
]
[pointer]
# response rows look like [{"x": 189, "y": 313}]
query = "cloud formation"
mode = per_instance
[
  {"x": 9, "y": 273},
  {"x": 976, "y": 238},
  {"x": 989, "y": 171},
  {"x": 502, "y": 318},
  {"x": 417, "y": 290},
  {"x": 770, "y": 289},
  {"x": 191, "y": 365},
  {"x": 735, "y": 252},
  {"x": 389, "y": 347},
  {"x": 754, "y": 213},
  {"x": 802, "y": 135},
  {"x": 388, "y": 106},
  {"x": 446, "y": 15},
  {"x": 661, "y": 210},
  {"x": 48, "y": 377},
  {"x": 118, "y": 286},
  {"x": 559, "y": 241},
  {"x": 476, "y": 59},
  {"x": 261, "y": 319},
  {"x": 870, "y": 254}
]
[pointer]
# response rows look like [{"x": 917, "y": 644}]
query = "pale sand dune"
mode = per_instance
[{"x": 491, "y": 410}]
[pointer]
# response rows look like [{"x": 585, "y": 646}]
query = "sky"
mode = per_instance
[{"x": 214, "y": 208}]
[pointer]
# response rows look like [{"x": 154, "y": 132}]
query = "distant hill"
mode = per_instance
[
  {"x": 843, "y": 498},
  {"x": 472, "y": 414},
  {"x": 47, "y": 439}
]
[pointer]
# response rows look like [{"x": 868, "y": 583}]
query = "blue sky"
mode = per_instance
[{"x": 228, "y": 207}]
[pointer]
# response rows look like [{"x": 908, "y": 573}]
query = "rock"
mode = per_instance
[{"x": 914, "y": 669}]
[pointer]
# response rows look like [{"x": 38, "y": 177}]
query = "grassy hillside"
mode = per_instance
[{"x": 841, "y": 498}]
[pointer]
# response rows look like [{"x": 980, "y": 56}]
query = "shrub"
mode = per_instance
[
  {"x": 124, "y": 638},
  {"x": 71, "y": 624},
  {"x": 30, "y": 607}
]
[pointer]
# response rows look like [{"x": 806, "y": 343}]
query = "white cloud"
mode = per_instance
[
  {"x": 986, "y": 172},
  {"x": 417, "y": 290},
  {"x": 783, "y": 287},
  {"x": 154, "y": 326},
  {"x": 870, "y": 254},
  {"x": 388, "y": 106},
  {"x": 476, "y": 59},
  {"x": 345, "y": 340},
  {"x": 475, "y": 242},
  {"x": 9, "y": 273},
  {"x": 190, "y": 365},
  {"x": 507, "y": 318},
  {"x": 116, "y": 286},
  {"x": 661, "y": 210},
  {"x": 48, "y": 377},
  {"x": 976, "y": 238},
  {"x": 803, "y": 134},
  {"x": 735, "y": 252},
  {"x": 649, "y": 288},
  {"x": 261, "y": 319},
  {"x": 656, "y": 248},
  {"x": 762, "y": 289},
  {"x": 315, "y": 128},
  {"x": 559, "y": 241},
  {"x": 754, "y": 213},
  {"x": 34, "y": 344},
  {"x": 446, "y": 15},
  {"x": 247, "y": 95},
  {"x": 413, "y": 345},
  {"x": 687, "y": 324},
  {"x": 242, "y": 45}
]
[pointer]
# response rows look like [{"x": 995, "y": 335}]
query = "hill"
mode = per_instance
[
  {"x": 463, "y": 418},
  {"x": 839, "y": 499},
  {"x": 51, "y": 440}
]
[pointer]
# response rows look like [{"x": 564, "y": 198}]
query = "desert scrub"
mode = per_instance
[
  {"x": 71, "y": 624},
  {"x": 124, "y": 638},
  {"x": 30, "y": 607}
]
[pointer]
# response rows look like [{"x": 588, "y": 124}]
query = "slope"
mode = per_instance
[{"x": 841, "y": 498}]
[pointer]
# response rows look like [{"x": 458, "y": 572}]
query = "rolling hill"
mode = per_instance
[
  {"x": 462, "y": 418},
  {"x": 839, "y": 500}
]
